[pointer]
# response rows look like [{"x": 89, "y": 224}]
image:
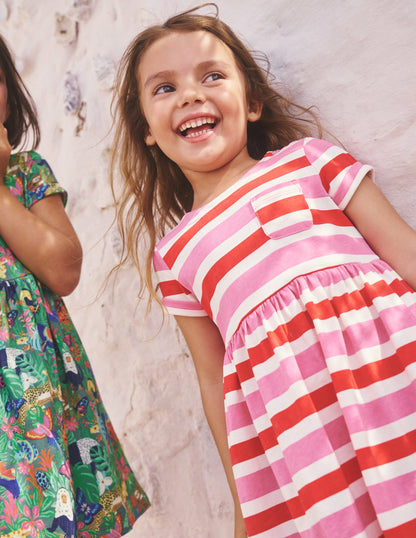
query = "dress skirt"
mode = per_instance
[
  {"x": 320, "y": 398},
  {"x": 62, "y": 469}
]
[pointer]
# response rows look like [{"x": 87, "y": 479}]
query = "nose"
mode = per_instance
[{"x": 190, "y": 95}]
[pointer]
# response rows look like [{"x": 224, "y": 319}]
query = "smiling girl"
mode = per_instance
[{"x": 291, "y": 277}]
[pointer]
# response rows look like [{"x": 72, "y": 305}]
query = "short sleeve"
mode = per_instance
[
  {"x": 30, "y": 178},
  {"x": 178, "y": 300},
  {"x": 340, "y": 173}
]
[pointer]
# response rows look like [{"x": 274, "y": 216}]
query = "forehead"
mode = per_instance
[{"x": 181, "y": 50}]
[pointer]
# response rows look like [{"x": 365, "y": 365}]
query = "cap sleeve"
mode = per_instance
[
  {"x": 178, "y": 300},
  {"x": 30, "y": 178},
  {"x": 340, "y": 173}
]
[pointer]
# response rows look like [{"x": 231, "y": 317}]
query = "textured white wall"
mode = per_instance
[{"x": 355, "y": 60}]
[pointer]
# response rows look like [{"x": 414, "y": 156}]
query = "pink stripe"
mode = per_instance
[
  {"x": 291, "y": 370},
  {"x": 346, "y": 522},
  {"x": 350, "y": 177},
  {"x": 324, "y": 441},
  {"x": 384, "y": 410},
  {"x": 256, "y": 485},
  {"x": 391, "y": 494},
  {"x": 238, "y": 415},
  {"x": 366, "y": 334}
]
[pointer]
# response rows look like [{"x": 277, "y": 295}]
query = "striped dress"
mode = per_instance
[{"x": 320, "y": 339}]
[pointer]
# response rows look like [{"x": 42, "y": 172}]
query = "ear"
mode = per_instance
[
  {"x": 149, "y": 139},
  {"x": 254, "y": 111}
]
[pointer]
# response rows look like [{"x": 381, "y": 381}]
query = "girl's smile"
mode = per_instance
[{"x": 193, "y": 97}]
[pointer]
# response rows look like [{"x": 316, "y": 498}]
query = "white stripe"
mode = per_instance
[
  {"x": 384, "y": 433},
  {"x": 389, "y": 471},
  {"x": 398, "y": 516},
  {"x": 323, "y": 466}
]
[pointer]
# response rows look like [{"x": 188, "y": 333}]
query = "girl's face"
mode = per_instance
[
  {"x": 4, "y": 109},
  {"x": 194, "y": 100}
]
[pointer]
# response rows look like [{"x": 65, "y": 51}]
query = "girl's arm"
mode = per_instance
[
  {"x": 207, "y": 350},
  {"x": 43, "y": 239},
  {"x": 384, "y": 230}
]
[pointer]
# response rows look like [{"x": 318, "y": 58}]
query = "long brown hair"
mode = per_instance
[
  {"x": 155, "y": 194},
  {"x": 22, "y": 116}
]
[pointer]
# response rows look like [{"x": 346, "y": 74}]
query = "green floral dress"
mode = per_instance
[{"x": 62, "y": 470}]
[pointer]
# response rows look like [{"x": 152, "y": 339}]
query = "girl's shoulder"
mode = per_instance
[
  {"x": 32, "y": 176},
  {"x": 26, "y": 160}
]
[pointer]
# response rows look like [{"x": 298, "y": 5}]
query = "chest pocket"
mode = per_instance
[{"x": 282, "y": 211}]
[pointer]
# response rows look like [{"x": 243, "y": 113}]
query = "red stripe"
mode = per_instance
[
  {"x": 386, "y": 452},
  {"x": 178, "y": 246},
  {"x": 303, "y": 407},
  {"x": 268, "y": 438},
  {"x": 231, "y": 383},
  {"x": 376, "y": 371},
  {"x": 281, "y": 208},
  {"x": 246, "y": 450},
  {"x": 172, "y": 287},
  {"x": 331, "y": 216},
  {"x": 330, "y": 484},
  {"x": 330, "y": 170},
  {"x": 226, "y": 263},
  {"x": 273, "y": 517}
]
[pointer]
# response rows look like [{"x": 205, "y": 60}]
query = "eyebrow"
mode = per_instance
[{"x": 169, "y": 74}]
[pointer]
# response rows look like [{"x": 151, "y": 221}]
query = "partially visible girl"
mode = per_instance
[
  {"x": 62, "y": 470},
  {"x": 291, "y": 277}
]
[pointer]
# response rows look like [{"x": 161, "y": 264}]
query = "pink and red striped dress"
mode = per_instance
[{"x": 320, "y": 338}]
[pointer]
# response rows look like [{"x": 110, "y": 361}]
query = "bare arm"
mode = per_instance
[
  {"x": 41, "y": 237},
  {"x": 384, "y": 230},
  {"x": 207, "y": 350}
]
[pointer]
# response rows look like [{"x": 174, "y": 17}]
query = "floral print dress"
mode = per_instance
[{"x": 62, "y": 470}]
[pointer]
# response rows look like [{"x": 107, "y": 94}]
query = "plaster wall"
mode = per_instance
[{"x": 353, "y": 59}]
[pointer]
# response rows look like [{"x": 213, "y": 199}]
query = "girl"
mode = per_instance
[
  {"x": 283, "y": 275},
  {"x": 62, "y": 470}
]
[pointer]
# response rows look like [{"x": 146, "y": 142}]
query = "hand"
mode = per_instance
[
  {"x": 5, "y": 150},
  {"x": 239, "y": 525}
]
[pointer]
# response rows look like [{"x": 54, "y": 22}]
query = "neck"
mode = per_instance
[{"x": 209, "y": 185}]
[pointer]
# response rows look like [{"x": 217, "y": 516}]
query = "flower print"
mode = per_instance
[
  {"x": 103, "y": 482},
  {"x": 46, "y": 459},
  {"x": 29, "y": 323},
  {"x": 17, "y": 188},
  {"x": 33, "y": 524},
  {"x": 116, "y": 532},
  {"x": 4, "y": 333},
  {"x": 81, "y": 533},
  {"x": 23, "y": 467},
  {"x": 123, "y": 468},
  {"x": 71, "y": 424},
  {"x": 8, "y": 426},
  {"x": 7, "y": 257},
  {"x": 10, "y": 509},
  {"x": 85, "y": 509}
]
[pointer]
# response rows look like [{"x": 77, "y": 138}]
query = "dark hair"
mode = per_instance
[
  {"x": 155, "y": 194},
  {"x": 22, "y": 115}
]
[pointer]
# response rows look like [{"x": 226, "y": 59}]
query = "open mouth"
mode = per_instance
[{"x": 197, "y": 127}]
